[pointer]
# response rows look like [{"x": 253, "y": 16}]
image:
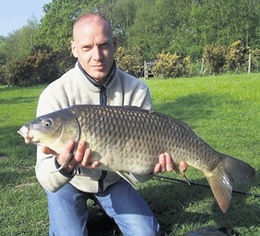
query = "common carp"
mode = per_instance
[{"x": 130, "y": 139}]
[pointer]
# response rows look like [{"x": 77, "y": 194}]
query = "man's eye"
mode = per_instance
[
  {"x": 104, "y": 46},
  {"x": 86, "y": 48}
]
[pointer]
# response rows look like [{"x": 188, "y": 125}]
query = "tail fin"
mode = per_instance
[{"x": 230, "y": 171}]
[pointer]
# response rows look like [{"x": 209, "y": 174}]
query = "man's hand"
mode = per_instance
[
  {"x": 80, "y": 159},
  {"x": 166, "y": 164}
]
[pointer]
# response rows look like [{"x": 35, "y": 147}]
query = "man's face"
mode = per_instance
[{"x": 94, "y": 47}]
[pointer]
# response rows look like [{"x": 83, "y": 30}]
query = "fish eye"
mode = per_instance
[{"x": 47, "y": 123}]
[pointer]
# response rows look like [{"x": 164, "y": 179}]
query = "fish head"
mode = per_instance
[{"x": 53, "y": 130}]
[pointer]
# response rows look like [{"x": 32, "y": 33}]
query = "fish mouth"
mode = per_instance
[{"x": 25, "y": 132}]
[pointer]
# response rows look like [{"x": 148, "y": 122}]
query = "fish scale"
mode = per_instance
[
  {"x": 129, "y": 140},
  {"x": 136, "y": 137}
]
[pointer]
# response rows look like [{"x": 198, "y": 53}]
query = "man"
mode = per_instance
[{"x": 94, "y": 80}]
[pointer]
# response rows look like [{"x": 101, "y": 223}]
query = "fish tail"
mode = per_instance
[{"x": 229, "y": 172}]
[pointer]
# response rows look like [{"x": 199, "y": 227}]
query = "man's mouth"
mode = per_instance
[{"x": 99, "y": 67}]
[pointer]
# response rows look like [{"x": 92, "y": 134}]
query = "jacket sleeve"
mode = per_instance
[{"x": 47, "y": 172}]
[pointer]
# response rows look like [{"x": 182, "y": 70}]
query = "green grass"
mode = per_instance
[{"x": 223, "y": 110}]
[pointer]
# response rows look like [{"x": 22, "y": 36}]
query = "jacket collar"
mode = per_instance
[{"x": 110, "y": 76}]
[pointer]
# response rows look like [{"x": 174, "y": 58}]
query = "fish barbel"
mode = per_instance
[{"x": 130, "y": 139}]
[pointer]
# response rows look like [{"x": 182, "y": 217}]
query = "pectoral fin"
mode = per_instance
[{"x": 129, "y": 178}]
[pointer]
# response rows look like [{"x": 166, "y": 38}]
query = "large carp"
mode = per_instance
[{"x": 130, "y": 139}]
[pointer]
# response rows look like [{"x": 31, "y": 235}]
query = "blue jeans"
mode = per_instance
[{"x": 68, "y": 211}]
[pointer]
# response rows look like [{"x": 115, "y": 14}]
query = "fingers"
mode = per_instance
[
  {"x": 183, "y": 166},
  {"x": 157, "y": 169},
  {"x": 86, "y": 157},
  {"x": 94, "y": 164},
  {"x": 162, "y": 162},
  {"x": 80, "y": 152},
  {"x": 86, "y": 161},
  {"x": 66, "y": 157},
  {"x": 82, "y": 157},
  {"x": 166, "y": 164}
]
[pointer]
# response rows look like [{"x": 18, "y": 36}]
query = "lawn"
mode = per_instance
[{"x": 223, "y": 110}]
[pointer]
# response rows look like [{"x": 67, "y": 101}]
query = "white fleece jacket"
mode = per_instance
[{"x": 74, "y": 88}]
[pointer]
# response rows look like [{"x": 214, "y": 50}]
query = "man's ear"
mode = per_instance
[{"x": 74, "y": 49}]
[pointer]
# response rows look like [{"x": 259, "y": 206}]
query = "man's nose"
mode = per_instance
[{"x": 97, "y": 53}]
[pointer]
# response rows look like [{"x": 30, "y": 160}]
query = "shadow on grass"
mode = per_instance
[
  {"x": 179, "y": 204},
  {"x": 11, "y": 140},
  {"x": 10, "y": 177},
  {"x": 175, "y": 204},
  {"x": 9, "y": 135},
  {"x": 99, "y": 224},
  {"x": 18, "y": 100}
]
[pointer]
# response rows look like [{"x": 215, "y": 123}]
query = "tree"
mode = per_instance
[
  {"x": 233, "y": 20},
  {"x": 153, "y": 31},
  {"x": 19, "y": 43},
  {"x": 122, "y": 15},
  {"x": 3, "y": 50},
  {"x": 55, "y": 29},
  {"x": 148, "y": 27}
]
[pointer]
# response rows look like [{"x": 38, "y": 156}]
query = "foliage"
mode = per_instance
[
  {"x": 150, "y": 24},
  {"x": 187, "y": 26},
  {"x": 19, "y": 43},
  {"x": 215, "y": 58},
  {"x": 23, "y": 72},
  {"x": 233, "y": 58},
  {"x": 121, "y": 14},
  {"x": 255, "y": 59},
  {"x": 3, "y": 50},
  {"x": 172, "y": 65},
  {"x": 58, "y": 21},
  {"x": 237, "y": 56},
  {"x": 129, "y": 61},
  {"x": 42, "y": 65},
  {"x": 150, "y": 27}
]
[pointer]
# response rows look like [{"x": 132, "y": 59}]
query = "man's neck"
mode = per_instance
[{"x": 103, "y": 82}]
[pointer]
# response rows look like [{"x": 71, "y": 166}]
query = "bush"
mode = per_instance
[
  {"x": 172, "y": 65},
  {"x": 129, "y": 61},
  {"x": 215, "y": 58},
  {"x": 255, "y": 65},
  {"x": 237, "y": 56},
  {"x": 234, "y": 58},
  {"x": 41, "y": 66}
]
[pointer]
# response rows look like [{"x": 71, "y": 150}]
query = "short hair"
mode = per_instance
[{"x": 92, "y": 14}]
